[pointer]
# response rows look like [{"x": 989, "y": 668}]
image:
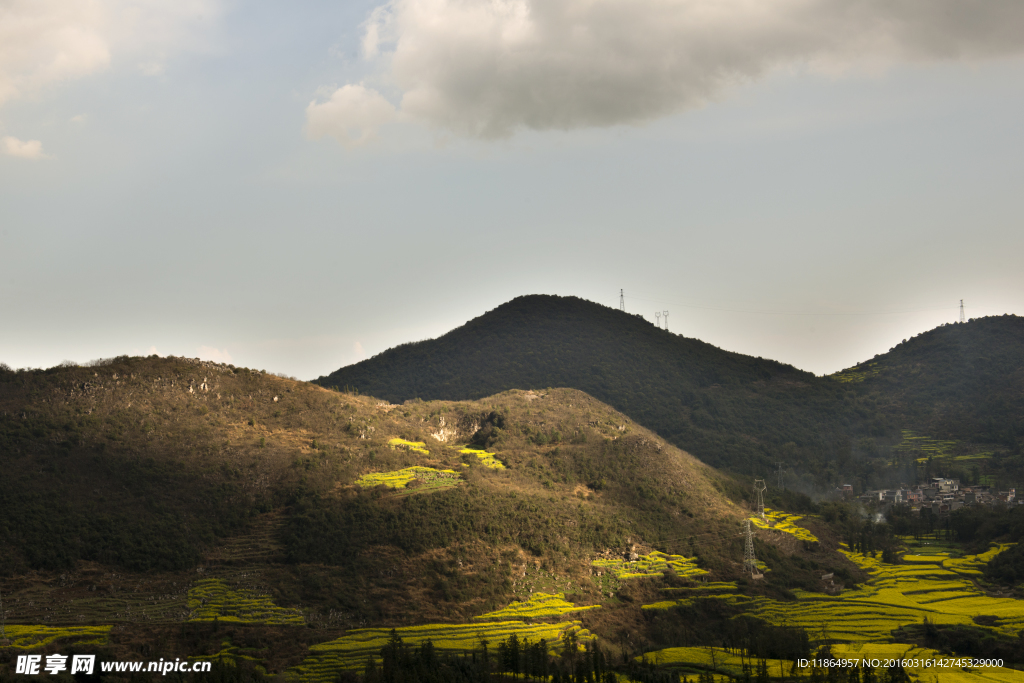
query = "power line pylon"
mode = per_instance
[
  {"x": 759, "y": 488},
  {"x": 749, "y": 561},
  {"x": 780, "y": 464},
  {"x": 657, "y": 318},
  {"x": 665, "y": 313},
  {"x": 622, "y": 300},
  {"x": 962, "y": 318}
]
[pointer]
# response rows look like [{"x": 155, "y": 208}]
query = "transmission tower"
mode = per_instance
[
  {"x": 622, "y": 300},
  {"x": 759, "y": 488},
  {"x": 665, "y": 313},
  {"x": 780, "y": 464},
  {"x": 962, "y": 318},
  {"x": 657, "y": 318},
  {"x": 749, "y": 561}
]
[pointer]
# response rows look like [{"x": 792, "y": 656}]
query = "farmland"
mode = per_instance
[
  {"x": 488, "y": 460},
  {"x": 651, "y": 565},
  {"x": 427, "y": 477},
  {"x": 213, "y": 600},
  {"x": 784, "y": 522},
  {"x": 936, "y": 588},
  {"x": 539, "y": 605},
  {"x": 27, "y": 637},
  {"x": 351, "y": 651}
]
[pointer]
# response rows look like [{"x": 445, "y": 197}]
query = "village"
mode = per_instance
[{"x": 941, "y": 496}]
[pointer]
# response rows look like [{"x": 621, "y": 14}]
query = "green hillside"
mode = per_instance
[
  {"x": 172, "y": 508},
  {"x": 732, "y": 411}
]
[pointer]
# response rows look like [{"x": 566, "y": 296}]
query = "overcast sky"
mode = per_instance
[{"x": 298, "y": 186}]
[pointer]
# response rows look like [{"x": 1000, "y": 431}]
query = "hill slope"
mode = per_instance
[
  {"x": 732, "y": 411},
  {"x": 148, "y": 464}
]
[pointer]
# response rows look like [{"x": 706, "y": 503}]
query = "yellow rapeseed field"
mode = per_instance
[
  {"x": 653, "y": 564},
  {"x": 27, "y": 637},
  {"x": 351, "y": 651},
  {"x": 212, "y": 599},
  {"x": 399, "y": 479},
  {"x": 784, "y": 522},
  {"x": 488, "y": 460},
  {"x": 539, "y": 605},
  {"x": 414, "y": 446}
]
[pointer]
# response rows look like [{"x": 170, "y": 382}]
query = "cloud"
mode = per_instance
[
  {"x": 487, "y": 68},
  {"x": 351, "y": 116},
  {"x": 216, "y": 355},
  {"x": 44, "y": 43},
  {"x": 358, "y": 349},
  {"x": 26, "y": 149}
]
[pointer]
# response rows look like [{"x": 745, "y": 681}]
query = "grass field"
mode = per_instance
[{"x": 350, "y": 652}]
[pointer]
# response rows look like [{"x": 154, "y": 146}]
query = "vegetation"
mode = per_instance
[
  {"x": 652, "y": 564},
  {"x": 957, "y": 383},
  {"x": 539, "y": 605},
  {"x": 213, "y": 600}
]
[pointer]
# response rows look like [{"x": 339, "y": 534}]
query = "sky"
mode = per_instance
[{"x": 299, "y": 186}]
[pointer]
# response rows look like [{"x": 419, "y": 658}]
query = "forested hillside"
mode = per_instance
[{"x": 733, "y": 411}]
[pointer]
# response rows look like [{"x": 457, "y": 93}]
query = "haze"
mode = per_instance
[{"x": 296, "y": 187}]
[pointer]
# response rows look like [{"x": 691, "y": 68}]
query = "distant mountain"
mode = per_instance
[
  {"x": 957, "y": 381},
  {"x": 732, "y": 411}
]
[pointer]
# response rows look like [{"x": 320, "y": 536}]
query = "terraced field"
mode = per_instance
[
  {"x": 935, "y": 587},
  {"x": 413, "y": 446},
  {"x": 776, "y": 520},
  {"x": 351, "y": 651},
  {"x": 428, "y": 477},
  {"x": 30, "y": 636},
  {"x": 653, "y": 564},
  {"x": 488, "y": 460},
  {"x": 212, "y": 599},
  {"x": 538, "y": 606}
]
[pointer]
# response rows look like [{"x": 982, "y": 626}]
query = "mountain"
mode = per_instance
[
  {"x": 127, "y": 482},
  {"x": 736, "y": 412}
]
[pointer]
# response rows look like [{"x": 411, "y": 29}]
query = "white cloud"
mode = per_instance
[
  {"x": 216, "y": 355},
  {"x": 26, "y": 149},
  {"x": 487, "y": 68},
  {"x": 351, "y": 116},
  {"x": 46, "y": 42}
]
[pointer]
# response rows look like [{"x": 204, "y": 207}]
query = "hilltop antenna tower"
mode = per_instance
[
  {"x": 962, "y": 318},
  {"x": 657, "y": 318},
  {"x": 749, "y": 561},
  {"x": 622, "y": 300},
  {"x": 759, "y": 488},
  {"x": 665, "y": 313},
  {"x": 780, "y": 464}
]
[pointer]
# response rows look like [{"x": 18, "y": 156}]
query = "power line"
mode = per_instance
[{"x": 741, "y": 310}]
